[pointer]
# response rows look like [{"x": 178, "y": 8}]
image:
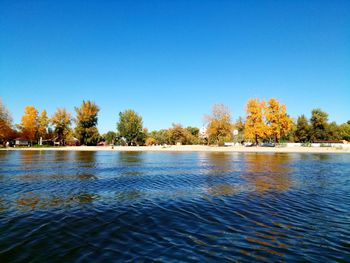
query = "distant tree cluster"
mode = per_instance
[
  {"x": 264, "y": 121},
  {"x": 319, "y": 129}
]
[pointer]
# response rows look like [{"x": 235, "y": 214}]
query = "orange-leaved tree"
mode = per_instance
[
  {"x": 278, "y": 121},
  {"x": 5, "y": 123},
  {"x": 255, "y": 126},
  {"x": 30, "y": 123},
  {"x": 219, "y": 127}
]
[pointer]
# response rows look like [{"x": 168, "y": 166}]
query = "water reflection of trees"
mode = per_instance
[
  {"x": 85, "y": 158},
  {"x": 216, "y": 163},
  {"x": 268, "y": 172},
  {"x": 130, "y": 158},
  {"x": 28, "y": 157},
  {"x": 220, "y": 172},
  {"x": 32, "y": 201}
]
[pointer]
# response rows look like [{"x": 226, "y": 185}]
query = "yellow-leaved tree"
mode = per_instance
[
  {"x": 278, "y": 121},
  {"x": 255, "y": 126},
  {"x": 6, "y": 130},
  {"x": 30, "y": 123},
  {"x": 219, "y": 128},
  {"x": 43, "y": 124},
  {"x": 61, "y": 120}
]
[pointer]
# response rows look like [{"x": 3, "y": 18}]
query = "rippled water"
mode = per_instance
[{"x": 109, "y": 206}]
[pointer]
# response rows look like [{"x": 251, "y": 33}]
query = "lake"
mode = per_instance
[{"x": 64, "y": 206}]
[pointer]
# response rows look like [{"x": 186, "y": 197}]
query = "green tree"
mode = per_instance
[
  {"x": 161, "y": 136},
  {"x": 61, "y": 120},
  {"x": 192, "y": 135},
  {"x": 130, "y": 126},
  {"x": 239, "y": 125},
  {"x": 6, "y": 129},
  {"x": 302, "y": 132},
  {"x": 333, "y": 131},
  {"x": 344, "y": 131},
  {"x": 110, "y": 137},
  {"x": 319, "y": 122},
  {"x": 86, "y": 122},
  {"x": 219, "y": 128}
]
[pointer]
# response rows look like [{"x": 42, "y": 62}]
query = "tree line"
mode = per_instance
[{"x": 265, "y": 121}]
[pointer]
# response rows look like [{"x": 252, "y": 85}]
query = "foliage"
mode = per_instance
[
  {"x": 333, "y": 131},
  {"x": 177, "y": 134},
  {"x": 130, "y": 126},
  {"x": 86, "y": 121},
  {"x": 43, "y": 124},
  {"x": 306, "y": 144},
  {"x": 141, "y": 138},
  {"x": 302, "y": 132},
  {"x": 110, "y": 137},
  {"x": 255, "y": 126},
  {"x": 30, "y": 123},
  {"x": 192, "y": 135},
  {"x": 344, "y": 131},
  {"x": 61, "y": 120},
  {"x": 161, "y": 136},
  {"x": 150, "y": 141},
  {"x": 278, "y": 121},
  {"x": 318, "y": 121},
  {"x": 6, "y": 130},
  {"x": 219, "y": 128}
]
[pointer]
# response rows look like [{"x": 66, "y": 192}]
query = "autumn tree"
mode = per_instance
[
  {"x": 61, "y": 120},
  {"x": 43, "y": 124},
  {"x": 255, "y": 126},
  {"x": 177, "y": 134},
  {"x": 278, "y": 121},
  {"x": 30, "y": 123},
  {"x": 130, "y": 126},
  {"x": 219, "y": 126},
  {"x": 319, "y": 122},
  {"x": 86, "y": 122},
  {"x": 302, "y": 132},
  {"x": 5, "y": 123},
  {"x": 150, "y": 141}
]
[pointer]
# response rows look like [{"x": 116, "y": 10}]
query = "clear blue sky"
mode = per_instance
[{"x": 171, "y": 60}]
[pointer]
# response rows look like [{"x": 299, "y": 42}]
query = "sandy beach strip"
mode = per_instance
[{"x": 188, "y": 148}]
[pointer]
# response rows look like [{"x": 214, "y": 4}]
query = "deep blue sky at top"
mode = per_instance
[{"x": 171, "y": 60}]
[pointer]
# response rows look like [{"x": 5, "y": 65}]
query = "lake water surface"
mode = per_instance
[{"x": 58, "y": 206}]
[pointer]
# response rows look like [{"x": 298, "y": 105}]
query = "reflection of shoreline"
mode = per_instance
[{"x": 187, "y": 148}]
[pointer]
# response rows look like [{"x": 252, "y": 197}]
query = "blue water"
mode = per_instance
[{"x": 58, "y": 206}]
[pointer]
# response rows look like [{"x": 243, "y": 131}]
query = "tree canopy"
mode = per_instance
[
  {"x": 61, "y": 120},
  {"x": 86, "y": 122},
  {"x": 30, "y": 123},
  {"x": 219, "y": 127},
  {"x": 6, "y": 129},
  {"x": 130, "y": 126}
]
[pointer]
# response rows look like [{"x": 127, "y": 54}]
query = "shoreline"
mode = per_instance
[{"x": 187, "y": 148}]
